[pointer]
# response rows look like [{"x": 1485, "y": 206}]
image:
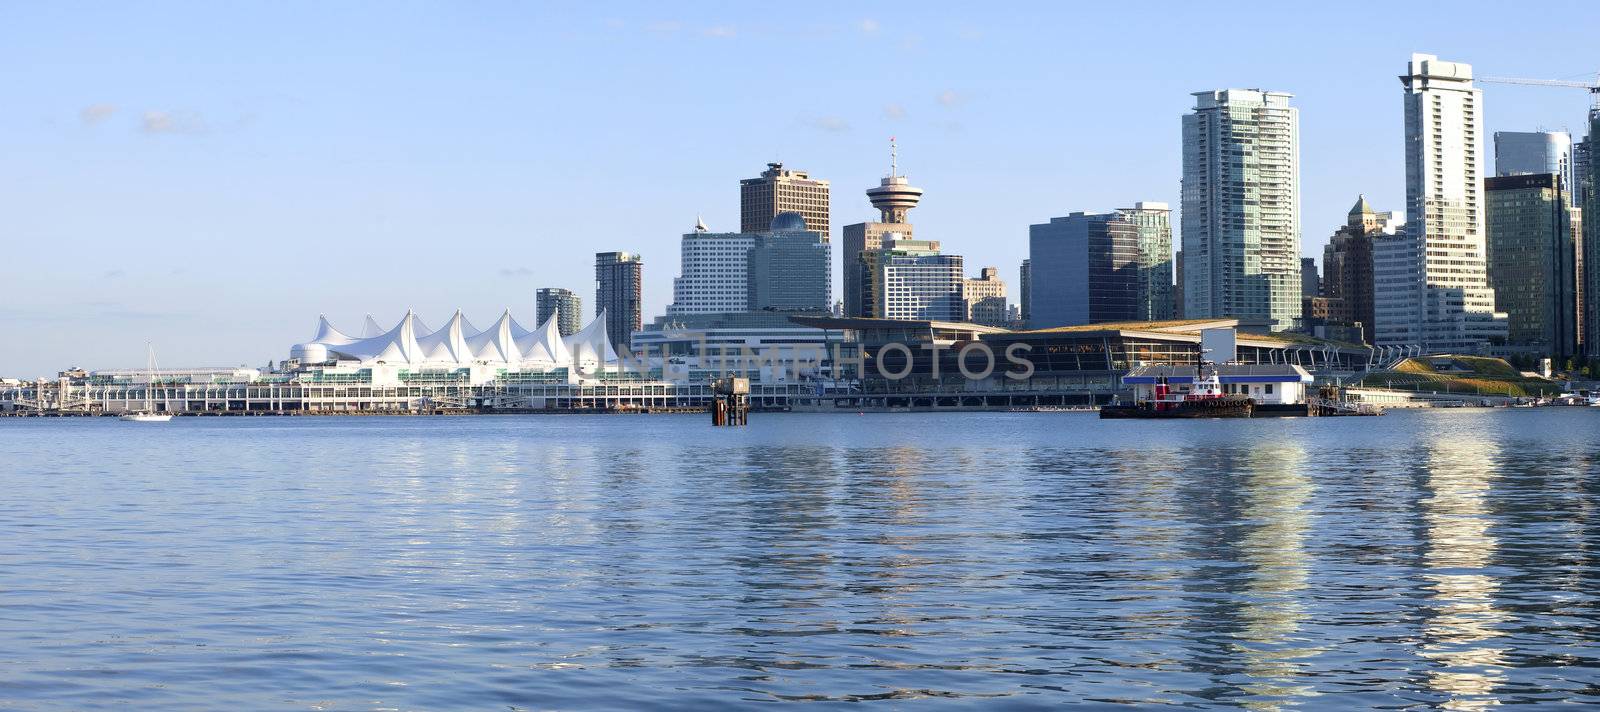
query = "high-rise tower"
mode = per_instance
[
  {"x": 1586, "y": 165},
  {"x": 1519, "y": 153},
  {"x": 1432, "y": 287},
  {"x": 618, "y": 293},
  {"x": 1154, "y": 221},
  {"x": 712, "y": 272},
  {"x": 790, "y": 268},
  {"x": 894, "y": 194},
  {"x": 1083, "y": 269},
  {"x": 1241, "y": 207},
  {"x": 563, "y": 304},
  {"x": 781, "y": 190},
  {"x": 1024, "y": 277},
  {"x": 1347, "y": 266},
  {"x": 1533, "y": 256},
  {"x": 893, "y": 197}
]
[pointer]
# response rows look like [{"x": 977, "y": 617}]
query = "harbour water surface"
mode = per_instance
[{"x": 1442, "y": 559}]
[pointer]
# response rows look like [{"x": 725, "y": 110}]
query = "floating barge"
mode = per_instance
[{"x": 1229, "y": 391}]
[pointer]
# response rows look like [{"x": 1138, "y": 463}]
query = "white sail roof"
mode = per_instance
[
  {"x": 497, "y": 343},
  {"x": 398, "y": 345},
  {"x": 459, "y": 343},
  {"x": 591, "y": 346},
  {"x": 545, "y": 345},
  {"x": 370, "y": 328},
  {"x": 327, "y": 334},
  {"x": 449, "y": 344}
]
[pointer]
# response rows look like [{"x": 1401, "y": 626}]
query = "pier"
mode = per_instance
[{"x": 55, "y": 398}]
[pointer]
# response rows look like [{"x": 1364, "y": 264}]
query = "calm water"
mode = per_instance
[{"x": 1421, "y": 560}]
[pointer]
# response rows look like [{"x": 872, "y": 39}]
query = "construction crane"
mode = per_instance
[{"x": 1593, "y": 89}]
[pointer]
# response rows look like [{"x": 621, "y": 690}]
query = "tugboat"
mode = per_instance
[{"x": 1204, "y": 400}]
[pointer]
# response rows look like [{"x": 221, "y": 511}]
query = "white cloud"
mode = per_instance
[
  {"x": 719, "y": 31},
  {"x": 665, "y": 27},
  {"x": 831, "y": 124},
  {"x": 949, "y": 97},
  {"x": 869, "y": 25},
  {"x": 516, "y": 272},
  {"x": 167, "y": 122},
  {"x": 96, "y": 113},
  {"x": 894, "y": 111}
]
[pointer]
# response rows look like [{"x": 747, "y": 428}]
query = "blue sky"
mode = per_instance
[{"x": 211, "y": 176}]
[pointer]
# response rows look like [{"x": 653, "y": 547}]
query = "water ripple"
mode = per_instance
[{"x": 1425, "y": 560}]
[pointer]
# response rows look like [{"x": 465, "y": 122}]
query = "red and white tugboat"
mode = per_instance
[{"x": 1205, "y": 399}]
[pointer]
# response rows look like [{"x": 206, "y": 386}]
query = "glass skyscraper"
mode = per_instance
[
  {"x": 1589, "y": 190},
  {"x": 1083, "y": 269},
  {"x": 1532, "y": 262},
  {"x": 790, "y": 268},
  {"x": 1154, "y": 223},
  {"x": 1241, "y": 207},
  {"x": 1519, "y": 153}
]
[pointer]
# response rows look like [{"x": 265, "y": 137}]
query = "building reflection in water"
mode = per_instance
[
  {"x": 1247, "y": 521},
  {"x": 1248, "y": 518},
  {"x": 1277, "y": 494},
  {"x": 1460, "y": 628}
]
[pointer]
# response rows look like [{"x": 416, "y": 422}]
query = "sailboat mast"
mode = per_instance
[{"x": 150, "y": 373}]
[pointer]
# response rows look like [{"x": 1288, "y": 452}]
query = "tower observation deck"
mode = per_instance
[{"x": 894, "y": 195}]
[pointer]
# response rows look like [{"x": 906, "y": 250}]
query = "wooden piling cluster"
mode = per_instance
[{"x": 730, "y": 402}]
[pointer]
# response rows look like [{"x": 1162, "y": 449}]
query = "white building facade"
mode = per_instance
[
  {"x": 1241, "y": 207},
  {"x": 1441, "y": 301},
  {"x": 713, "y": 273},
  {"x": 918, "y": 283},
  {"x": 766, "y": 347}
]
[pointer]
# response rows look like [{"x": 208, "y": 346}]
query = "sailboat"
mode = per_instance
[{"x": 148, "y": 415}]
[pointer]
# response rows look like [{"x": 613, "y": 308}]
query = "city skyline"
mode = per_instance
[{"x": 133, "y": 185}]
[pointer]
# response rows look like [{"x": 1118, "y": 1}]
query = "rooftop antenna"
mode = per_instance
[{"x": 894, "y": 158}]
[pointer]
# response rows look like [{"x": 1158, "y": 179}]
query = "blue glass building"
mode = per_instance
[{"x": 1083, "y": 269}]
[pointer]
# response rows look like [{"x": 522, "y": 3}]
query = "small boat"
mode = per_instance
[
  {"x": 148, "y": 414},
  {"x": 145, "y": 417}
]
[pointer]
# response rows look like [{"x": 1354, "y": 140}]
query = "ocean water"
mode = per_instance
[{"x": 1422, "y": 560}]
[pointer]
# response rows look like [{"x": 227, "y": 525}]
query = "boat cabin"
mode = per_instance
[{"x": 1266, "y": 384}]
